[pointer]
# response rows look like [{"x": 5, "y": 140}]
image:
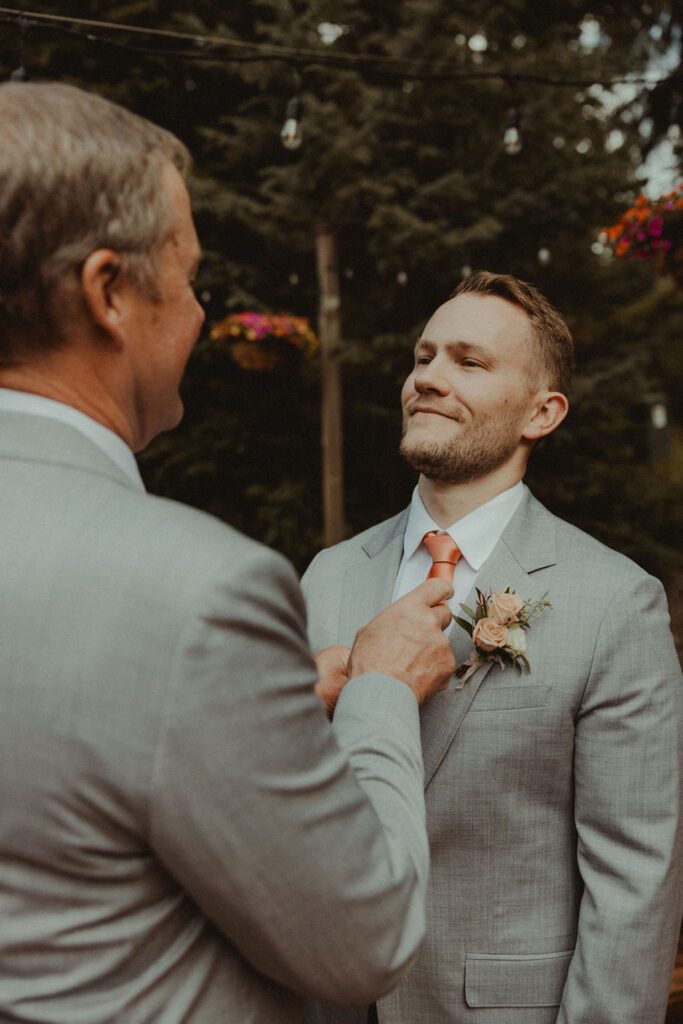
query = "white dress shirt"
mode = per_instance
[
  {"x": 476, "y": 535},
  {"x": 109, "y": 442}
]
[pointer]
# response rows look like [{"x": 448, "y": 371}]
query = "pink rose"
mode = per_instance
[
  {"x": 489, "y": 634},
  {"x": 504, "y": 608}
]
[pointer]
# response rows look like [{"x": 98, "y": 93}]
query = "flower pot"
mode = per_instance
[{"x": 262, "y": 354}]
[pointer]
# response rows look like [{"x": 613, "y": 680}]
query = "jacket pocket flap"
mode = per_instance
[
  {"x": 536, "y": 980},
  {"x": 509, "y": 698}
]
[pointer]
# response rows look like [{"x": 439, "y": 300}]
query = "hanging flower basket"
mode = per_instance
[
  {"x": 652, "y": 228},
  {"x": 264, "y": 341}
]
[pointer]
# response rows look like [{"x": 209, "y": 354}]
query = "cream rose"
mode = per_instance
[
  {"x": 517, "y": 639},
  {"x": 488, "y": 634},
  {"x": 505, "y": 608}
]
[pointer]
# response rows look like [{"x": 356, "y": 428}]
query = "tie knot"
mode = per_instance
[{"x": 445, "y": 553}]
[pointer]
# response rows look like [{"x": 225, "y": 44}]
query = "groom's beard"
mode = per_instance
[{"x": 474, "y": 450}]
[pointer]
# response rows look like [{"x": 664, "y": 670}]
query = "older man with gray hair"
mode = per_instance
[{"x": 183, "y": 836}]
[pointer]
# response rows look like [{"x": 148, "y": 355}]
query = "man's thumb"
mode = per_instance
[{"x": 435, "y": 591}]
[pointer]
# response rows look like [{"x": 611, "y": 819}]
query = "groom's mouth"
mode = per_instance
[{"x": 429, "y": 410}]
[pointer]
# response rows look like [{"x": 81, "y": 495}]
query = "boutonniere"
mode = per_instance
[{"x": 498, "y": 629}]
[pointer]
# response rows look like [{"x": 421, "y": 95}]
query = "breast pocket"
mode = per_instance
[
  {"x": 536, "y": 980},
  {"x": 509, "y": 698}
]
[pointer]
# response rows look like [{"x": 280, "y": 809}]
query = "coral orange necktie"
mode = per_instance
[{"x": 445, "y": 554}]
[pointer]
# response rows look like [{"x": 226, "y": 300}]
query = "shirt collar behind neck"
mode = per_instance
[{"x": 106, "y": 440}]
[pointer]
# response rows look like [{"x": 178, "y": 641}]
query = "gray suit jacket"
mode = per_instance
[
  {"x": 553, "y": 799},
  {"x": 182, "y": 837}
]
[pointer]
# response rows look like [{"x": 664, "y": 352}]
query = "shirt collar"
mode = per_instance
[
  {"x": 106, "y": 440},
  {"x": 476, "y": 534}
]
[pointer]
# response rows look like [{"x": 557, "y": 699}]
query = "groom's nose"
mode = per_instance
[{"x": 430, "y": 378}]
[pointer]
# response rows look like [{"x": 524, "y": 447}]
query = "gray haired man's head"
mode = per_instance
[{"x": 77, "y": 173}]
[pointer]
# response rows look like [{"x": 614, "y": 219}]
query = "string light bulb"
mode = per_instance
[
  {"x": 673, "y": 133},
  {"x": 512, "y": 137},
  {"x": 291, "y": 135},
  {"x": 20, "y": 74}
]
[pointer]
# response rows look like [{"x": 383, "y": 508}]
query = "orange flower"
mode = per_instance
[{"x": 489, "y": 634}]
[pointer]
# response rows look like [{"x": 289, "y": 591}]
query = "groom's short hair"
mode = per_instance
[
  {"x": 550, "y": 336},
  {"x": 77, "y": 173}
]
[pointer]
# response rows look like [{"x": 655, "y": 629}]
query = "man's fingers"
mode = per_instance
[
  {"x": 432, "y": 592},
  {"x": 335, "y": 654},
  {"x": 332, "y": 665},
  {"x": 444, "y": 613}
]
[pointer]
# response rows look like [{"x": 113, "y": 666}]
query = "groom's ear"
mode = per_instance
[{"x": 549, "y": 409}]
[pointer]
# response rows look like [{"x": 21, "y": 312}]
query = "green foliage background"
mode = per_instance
[{"x": 411, "y": 174}]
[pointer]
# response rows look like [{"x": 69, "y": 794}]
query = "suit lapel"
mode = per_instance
[
  {"x": 527, "y": 544},
  {"x": 369, "y": 585}
]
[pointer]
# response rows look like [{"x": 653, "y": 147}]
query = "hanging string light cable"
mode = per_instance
[
  {"x": 19, "y": 74},
  {"x": 218, "y": 48}
]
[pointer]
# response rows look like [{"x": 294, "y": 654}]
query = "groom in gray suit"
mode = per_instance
[
  {"x": 184, "y": 839},
  {"x": 553, "y": 796}
]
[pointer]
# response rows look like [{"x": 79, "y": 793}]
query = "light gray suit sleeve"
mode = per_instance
[
  {"x": 315, "y": 870},
  {"x": 628, "y": 804}
]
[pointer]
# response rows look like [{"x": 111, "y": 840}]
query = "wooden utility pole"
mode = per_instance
[{"x": 331, "y": 402}]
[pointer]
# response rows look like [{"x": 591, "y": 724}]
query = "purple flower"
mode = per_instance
[{"x": 656, "y": 225}]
